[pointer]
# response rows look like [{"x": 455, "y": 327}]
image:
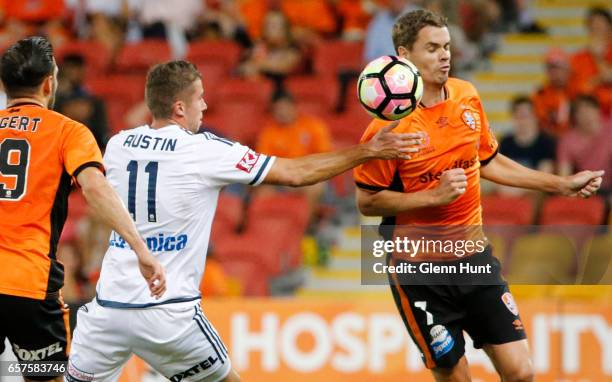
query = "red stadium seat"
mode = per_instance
[
  {"x": 334, "y": 56},
  {"x": 251, "y": 247},
  {"x": 289, "y": 205},
  {"x": 224, "y": 52},
  {"x": 97, "y": 56},
  {"x": 213, "y": 74},
  {"x": 250, "y": 275},
  {"x": 140, "y": 56},
  {"x": 120, "y": 92},
  {"x": 314, "y": 90},
  {"x": 240, "y": 90},
  {"x": 559, "y": 210},
  {"x": 239, "y": 120},
  {"x": 348, "y": 127},
  {"x": 507, "y": 210}
]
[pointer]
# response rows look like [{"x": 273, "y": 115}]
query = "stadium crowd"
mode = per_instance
[{"x": 279, "y": 75}]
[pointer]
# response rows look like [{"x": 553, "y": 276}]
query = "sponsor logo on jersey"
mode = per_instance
[
  {"x": 158, "y": 243},
  {"x": 460, "y": 163},
  {"x": 441, "y": 341},
  {"x": 37, "y": 354},
  {"x": 194, "y": 370},
  {"x": 510, "y": 304},
  {"x": 248, "y": 161}
]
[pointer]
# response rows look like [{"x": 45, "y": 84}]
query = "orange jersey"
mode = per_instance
[
  {"x": 552, "y": 107},
  {"x": 457, "y": 135},
  {"x": 40, "y": 152},
  {"x": 307, "y": 135}
]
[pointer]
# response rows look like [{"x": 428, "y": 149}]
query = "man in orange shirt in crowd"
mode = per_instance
[
  {"x": 592, "y": 67},
  {"x": 552, "y": 101},
  {"x": 291, "y": 134},
  {"x": 440, "y": 188}
]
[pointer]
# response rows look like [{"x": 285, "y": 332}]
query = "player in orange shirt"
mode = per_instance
[
  {"x": 440, "y": 187},
  {"x": 292, "y": 134},
  {"x": 41, "y": 154}
]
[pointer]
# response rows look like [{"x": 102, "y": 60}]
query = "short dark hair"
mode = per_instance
[
  {"x": 520, "y": 100},
  {"x": 165, "y": 83},
  {"x": 407, "y": 27},
  {"x": 25, "y": 65},
  {"x": 600, "y": 11}
]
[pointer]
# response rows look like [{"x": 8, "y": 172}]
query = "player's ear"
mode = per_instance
[
  {"x": 179, "y": 108},
  {"x": 403, "y": 52},
  {"x": 47, "y": 86}
]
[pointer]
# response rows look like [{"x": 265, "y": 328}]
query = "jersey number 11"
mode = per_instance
[{"x": 151, "y": 169}]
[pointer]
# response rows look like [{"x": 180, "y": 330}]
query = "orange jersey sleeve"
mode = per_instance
[{"x": 79, "y": 148}]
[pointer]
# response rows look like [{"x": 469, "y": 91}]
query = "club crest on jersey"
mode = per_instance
[
  {"x": 510, "y": 304},
  {"x": 248, "y": 161},
  {"x": 471, "y": 119}
]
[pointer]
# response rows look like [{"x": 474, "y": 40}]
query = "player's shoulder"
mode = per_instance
[
  {"x": 459, "y": 88},
  {"x": 208, "y": 138}
]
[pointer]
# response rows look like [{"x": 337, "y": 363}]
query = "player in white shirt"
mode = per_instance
[{"x": 169, "y": 177}]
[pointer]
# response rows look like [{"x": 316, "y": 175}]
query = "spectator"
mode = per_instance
[
  {"x": 275, "y": 55},
  {"x": 552, "y": 100},
  {"x": 215, "y": 282},
  {"x": 354, "y": 17},
  {"x": 526, "y": 144},
  {"x": 170, "y": 20},
  {"x": 587, "y": 144},
  {"x": 76, "y": 102},
  {"x": 223, "y": 20},
  {"x": 592, "y": 67},
  {"x": 378, "y": 37},
  {"x": 291, "y": 134},
  {"x": 309, "y": 19}
]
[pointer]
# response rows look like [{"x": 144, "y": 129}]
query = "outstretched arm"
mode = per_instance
[
  {"x": 503, "y": 170},
  {"x": 316, "y": 168}
]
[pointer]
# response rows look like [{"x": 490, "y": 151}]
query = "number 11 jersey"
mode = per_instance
[{"x": 169, "y": 179}]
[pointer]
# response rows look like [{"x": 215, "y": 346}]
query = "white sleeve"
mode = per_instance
[{"x": 231, "y": 162}]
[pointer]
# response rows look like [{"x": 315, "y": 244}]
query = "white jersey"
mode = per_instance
[{"x": 169, "y": 179}]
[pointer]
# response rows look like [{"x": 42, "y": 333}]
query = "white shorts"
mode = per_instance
[{"x": 175, "y": 339}]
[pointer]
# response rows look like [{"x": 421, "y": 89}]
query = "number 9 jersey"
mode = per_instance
[{"x": 41, "y": 153}]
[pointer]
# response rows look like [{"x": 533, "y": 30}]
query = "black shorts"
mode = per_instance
[
  {"x": 437, "y": 315},
  {"x": 38, "y": 330}
]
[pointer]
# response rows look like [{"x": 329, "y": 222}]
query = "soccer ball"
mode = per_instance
[{"x": 390, "y": 88}]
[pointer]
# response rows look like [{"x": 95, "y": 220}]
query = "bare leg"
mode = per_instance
[
  {"x": 458, "y": 373},
  {"x": 512, "y": 361}
]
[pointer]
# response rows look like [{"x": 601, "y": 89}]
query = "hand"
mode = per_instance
[
  {"x": 453, "y": 184},
  {"x": 388, "y": 145},
  {"x": 583, "y": 184},
  {"x": 153, "y": 272}
]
